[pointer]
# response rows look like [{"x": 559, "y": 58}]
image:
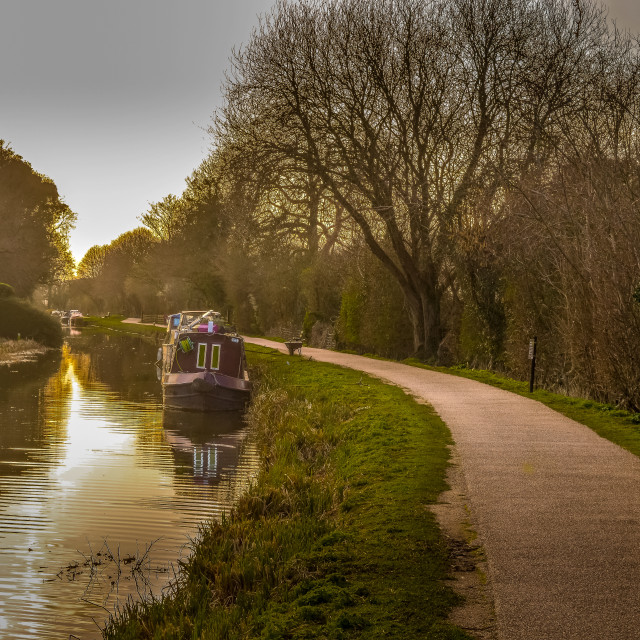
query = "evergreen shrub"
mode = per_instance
[
  {"x": 310, "y": 318},
  {"x": 19, "y": 317}
]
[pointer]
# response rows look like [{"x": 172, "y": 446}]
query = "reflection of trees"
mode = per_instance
[
  {"x": 57, "y": 391},
  {"x": 21, "y": 402},
  {"x": 123, "y": 362},
  {"x": 26, "y": 376},
  {"x": 56, "y": 405}
]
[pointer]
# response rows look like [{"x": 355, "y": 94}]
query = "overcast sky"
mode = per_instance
[{"x": 109, "y": 97}]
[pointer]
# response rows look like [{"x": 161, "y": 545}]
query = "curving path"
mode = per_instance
[{"x": 556, "y": 506}]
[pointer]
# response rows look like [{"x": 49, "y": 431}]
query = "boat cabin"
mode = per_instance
[{"x": 203, "y": 357}]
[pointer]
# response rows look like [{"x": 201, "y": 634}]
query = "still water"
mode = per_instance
[{"x": 101, "y": 491}]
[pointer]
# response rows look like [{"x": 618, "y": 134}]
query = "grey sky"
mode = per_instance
[
  {"x": 108, "y": 97},
  {"x": 626, "y": 13}
]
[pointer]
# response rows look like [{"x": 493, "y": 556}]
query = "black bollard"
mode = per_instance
[{"x": 533, "y": 347}]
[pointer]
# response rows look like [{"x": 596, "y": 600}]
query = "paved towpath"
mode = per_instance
[{"x": 557, "y": 507}]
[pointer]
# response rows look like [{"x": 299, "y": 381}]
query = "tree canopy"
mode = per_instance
[
  {"x": 441, "y": 179},
  {"x": 411, "y": 115},
  {"x": 34, "y": 245}
]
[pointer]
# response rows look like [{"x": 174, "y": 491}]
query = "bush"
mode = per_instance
[
  {"x": 310, "y": 318},
  {"x": 19, "y": 317},
  {"x": 6, "y": 290}
]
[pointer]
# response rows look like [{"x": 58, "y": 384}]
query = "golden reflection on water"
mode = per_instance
[{"x": 99, "y": 493}]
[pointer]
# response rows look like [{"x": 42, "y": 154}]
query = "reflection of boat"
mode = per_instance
[
  {"x": 202, "y": 426},
  {"x": 203, "y": 364},
  {"x": 204, "y": 446}
]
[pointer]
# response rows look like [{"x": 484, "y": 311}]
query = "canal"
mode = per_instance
[{"x": 101, "y": 491}]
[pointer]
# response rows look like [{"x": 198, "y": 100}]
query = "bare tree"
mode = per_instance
[
  {"x": 580, "y": 263},
  {"x": 405, "y": 111}
]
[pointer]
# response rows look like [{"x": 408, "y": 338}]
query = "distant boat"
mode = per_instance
[
  {"x": 202, "y": 364},
  {"x": 72, "y": 318}
]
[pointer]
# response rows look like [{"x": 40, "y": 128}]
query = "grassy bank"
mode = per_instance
[
  {"x": 617, "y": 425},
  {"x": 335, "y": 540},
  {"x": 115, "y": 324}
]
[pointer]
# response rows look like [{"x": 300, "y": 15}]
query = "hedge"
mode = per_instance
[{"x": 19, "y": 318}]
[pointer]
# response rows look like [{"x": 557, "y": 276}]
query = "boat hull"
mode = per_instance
[{"x": 205, "y": 391}]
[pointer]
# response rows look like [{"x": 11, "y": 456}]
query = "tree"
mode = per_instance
[
  {"x": 34, "y": 246},
  {"x": 105, "y": 272},
  {"x": 404, "y": 125},
  {"x": 92, "y": 263},
  {"x": 165, "y": 218}
]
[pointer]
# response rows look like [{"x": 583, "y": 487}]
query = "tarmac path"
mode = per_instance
[{"x": 557, "y": 507}]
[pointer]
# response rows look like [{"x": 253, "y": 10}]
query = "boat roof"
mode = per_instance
[
  {"x": 189, "y": 319},
  {"x": 210, "y": 312}
]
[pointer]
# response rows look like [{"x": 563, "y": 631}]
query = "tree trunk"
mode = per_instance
[
  {"x": 314, "y": 206},
  {"x": 425, "y": 315},
  {"x": 432, "y": 323}
]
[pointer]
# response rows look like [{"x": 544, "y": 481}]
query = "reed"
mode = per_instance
[{"x": 12, "y": 347}]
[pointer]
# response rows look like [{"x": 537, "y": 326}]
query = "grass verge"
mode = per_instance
[
  {"x": 115, "y": 324},
  {"x": 608, "y": 421},
  {"x": 336, "y": 539},
  {"x": 617, "y": 425}
]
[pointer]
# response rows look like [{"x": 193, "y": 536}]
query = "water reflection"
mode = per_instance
[
  {"x": 199, "y": 450},
  {"x": 99, "y": 488}
]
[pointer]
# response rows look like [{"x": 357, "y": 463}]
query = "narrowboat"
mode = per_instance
[
  {"x": 72, "y": 318},
  {"x": 202, "y": 364}
]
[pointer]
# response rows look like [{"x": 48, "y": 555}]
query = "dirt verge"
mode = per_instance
[{"x": 468, "y": 575}]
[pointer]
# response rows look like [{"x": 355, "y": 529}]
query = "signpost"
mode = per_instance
[{"x": 533, "y": 347}]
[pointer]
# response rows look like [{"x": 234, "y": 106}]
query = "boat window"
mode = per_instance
[
  {"x": 215, "y": 356},
  {"x": 202, "y": 355}
]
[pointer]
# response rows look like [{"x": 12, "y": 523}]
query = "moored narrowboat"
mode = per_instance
[
  {"x": 203, "y": 364},
  {"x": 72, "y": 318}
]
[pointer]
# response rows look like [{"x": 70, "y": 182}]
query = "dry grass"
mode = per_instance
[{"x": 20, "y": 350}]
